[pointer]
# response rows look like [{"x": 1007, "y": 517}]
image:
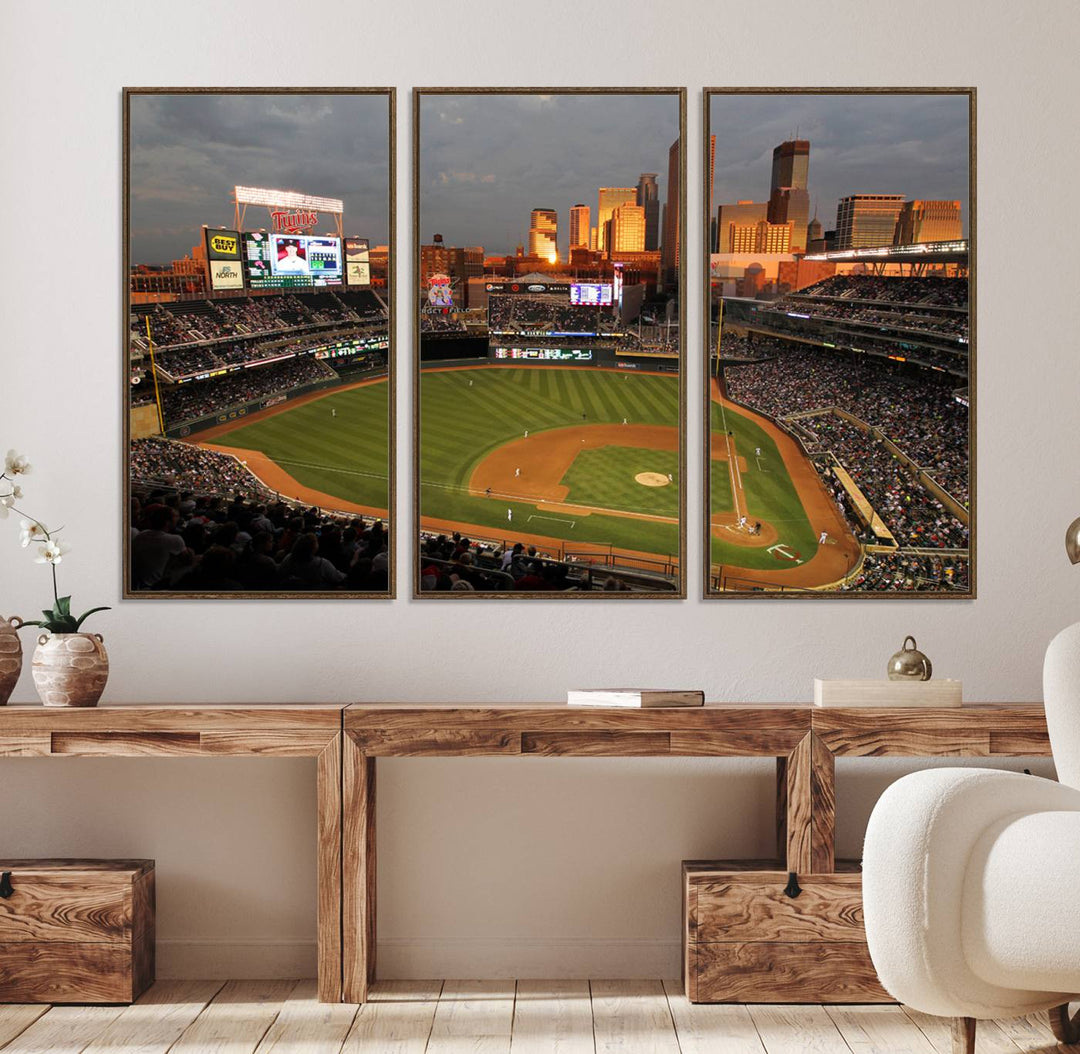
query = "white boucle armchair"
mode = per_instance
[{"x": 971, "y": 880}]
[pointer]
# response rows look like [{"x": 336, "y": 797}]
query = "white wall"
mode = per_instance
[{"x": 545, "y": 866}]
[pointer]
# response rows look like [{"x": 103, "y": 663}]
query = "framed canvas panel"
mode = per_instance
[
  {"x": 549, "y": 313},
  {"x": 258, "y": 353},
  {"x": 839, "y": 342}
]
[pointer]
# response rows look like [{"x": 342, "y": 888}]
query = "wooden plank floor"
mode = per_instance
[{"x": 484, "y": 1017}]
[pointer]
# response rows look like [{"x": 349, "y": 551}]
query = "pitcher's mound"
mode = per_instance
[{"x": 652, "y": 479}]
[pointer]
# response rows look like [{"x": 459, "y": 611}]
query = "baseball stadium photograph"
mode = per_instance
[
  {"x": 549, "y": 388},
  {"x": 839, "y": 394},
  {"x": 258, "y": 377}
]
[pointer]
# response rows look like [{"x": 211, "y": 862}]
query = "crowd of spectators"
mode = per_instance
[
  {"x": 186, "y": 402},
  {"x": 914, "y": 516},
  {"x": 455, "y": 563},
  {"x": 932, "y": 290},
  {"x": 733, "y": 346},
  {"x": 200, "y": 522},
  {"x": 913, "y": 320},
  {"x": 436, "y": 322},
  {"x": 917, "y": 411},
  {"x": 903, "y": 572},
  {"x": 200, "y": 321},
  {"x": 547, "y": 314},
  {"x": 182, "y": 466}
]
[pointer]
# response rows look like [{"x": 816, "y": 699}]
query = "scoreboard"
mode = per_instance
[
  {"x": 591, "y": 294},
  {"x": 546, "y": 354},
  {"x": 291, "y": 261}
]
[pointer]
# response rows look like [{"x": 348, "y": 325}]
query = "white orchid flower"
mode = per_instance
[
  {"x": 8, "y": 500},
  {"x": 52, "y": 552},
  {"x": 16, "y": 464},
  {"x": 31, "y": 531}
]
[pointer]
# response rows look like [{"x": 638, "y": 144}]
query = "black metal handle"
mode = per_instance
[
  {"x": 5, "y": 885},
  {"x": 792, "y": 889}
]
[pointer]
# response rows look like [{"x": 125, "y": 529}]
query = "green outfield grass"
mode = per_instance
[
  {"x": 463, "y": 422},
  {"x": 345, "y": 456},
  {"x": 770, "y": 494}
]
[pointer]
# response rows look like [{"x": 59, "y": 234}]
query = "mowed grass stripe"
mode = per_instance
[
  {"x": 346, "y": 456},
  {"x": 461, "y": 425},
  {"x": 637, "y": 406}
]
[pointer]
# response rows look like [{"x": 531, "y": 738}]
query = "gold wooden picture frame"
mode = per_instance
[
  {"x": 258, "y": 366},
  {"x": 550, "y": 383},
  {"x": 839, "y": 364}
]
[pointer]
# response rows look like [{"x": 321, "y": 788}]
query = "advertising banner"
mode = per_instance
[{"x": 223, "y": 259}]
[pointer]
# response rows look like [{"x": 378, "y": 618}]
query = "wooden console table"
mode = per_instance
[
  {"x": 207, "y": 730},
  {"x": 805, "y": 741},
  {"x": 346, "y": 740}
]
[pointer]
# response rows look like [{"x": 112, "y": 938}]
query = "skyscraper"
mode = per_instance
[
  {"x": 789, "y": 200},
  {"x": 544, "y": 234},
  {"x": 760, "y": 237},
  {"x": 928, "y": 221},
  {"x": 648, "y": 197},
  {"x": 742, "y": 214},
  {"x": 628, "y": 229},
  {"x": 608, "y": 200},
  {"x": 579, "y": 227},
  {"x": 669, "y": 245},
  {"x": 815, "y": 235},
  {"x": 791, "y": 164},
  {"x": 867, "y": 220}
]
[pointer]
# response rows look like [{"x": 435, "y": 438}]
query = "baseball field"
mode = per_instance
[
  {"x": 328, "y": 448},
  {"x": 555, "y": 454},
  {"x": 771, "y": 520}
]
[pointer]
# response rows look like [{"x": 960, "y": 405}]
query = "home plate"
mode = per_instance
[{"x": 652, "y": 479}]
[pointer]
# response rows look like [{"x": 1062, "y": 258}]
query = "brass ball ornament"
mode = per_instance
[
  {"x": 1072, "y": 541},
  {"x": 909, "y": 664}
]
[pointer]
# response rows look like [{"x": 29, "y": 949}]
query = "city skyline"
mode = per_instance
[
  {"x": 188, "y": 151},
  {"x": 910, "y": 144},
  {"x": 486, "y": 161}
]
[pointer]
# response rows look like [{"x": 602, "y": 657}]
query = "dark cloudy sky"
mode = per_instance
[
  {"x": 916, "y": 145},
  {"x": 189, "y": 151},
  {"x": 487, "y": 160}
]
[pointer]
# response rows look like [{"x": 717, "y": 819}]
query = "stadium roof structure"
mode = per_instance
[{"x": 918, "y": 255}]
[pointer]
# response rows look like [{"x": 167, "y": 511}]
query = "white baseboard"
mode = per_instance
[{"x": 418, "y": 958}]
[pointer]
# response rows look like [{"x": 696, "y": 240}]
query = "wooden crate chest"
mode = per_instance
[
  {"x": 76, "y": 931},
  {"x": 747, "y": 941}
]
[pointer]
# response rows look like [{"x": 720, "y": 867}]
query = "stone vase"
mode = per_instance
[
  {"x": 10, "y": 656},
  {"x": 70, "y": 669}
]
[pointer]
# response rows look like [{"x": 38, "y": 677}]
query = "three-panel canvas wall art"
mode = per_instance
[{"x": 546, "y": 315}]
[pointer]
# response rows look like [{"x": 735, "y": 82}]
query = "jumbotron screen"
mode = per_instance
[
  {"x": 592, "y": 294},
  {"x": 291, "y": 261}
]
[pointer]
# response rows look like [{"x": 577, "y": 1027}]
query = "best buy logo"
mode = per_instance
[{"x": 223, "y": 243}]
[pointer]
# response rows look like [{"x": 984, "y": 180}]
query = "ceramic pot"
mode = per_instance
[
  {"x": 909, "y": 664},
  {"x": 10, "y": 656},
  {"x": 70, "y": 669}
]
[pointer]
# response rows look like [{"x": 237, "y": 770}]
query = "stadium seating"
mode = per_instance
[
  {"x": 202, "y": 522},
  {"x": 452, "y": 562}
]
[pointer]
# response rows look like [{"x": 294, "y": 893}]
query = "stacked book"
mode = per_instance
[{"x": 633, "y": 697}]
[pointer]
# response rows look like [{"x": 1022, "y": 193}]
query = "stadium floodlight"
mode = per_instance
[{"x": 287, "y": 199}]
